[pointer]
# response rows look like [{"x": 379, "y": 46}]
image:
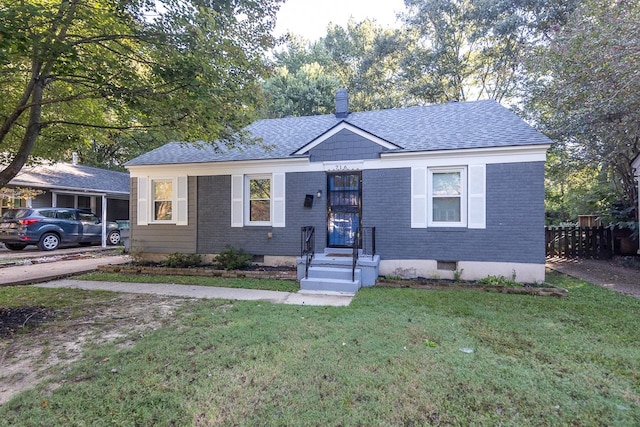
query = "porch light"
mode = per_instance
[{"x": 319, "y": 194}]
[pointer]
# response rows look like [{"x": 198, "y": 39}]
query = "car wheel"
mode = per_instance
[
  {"x": 49, "y": 242},
  {"x": 15, "y": 246},
  {"x": 113, "y": 238}
]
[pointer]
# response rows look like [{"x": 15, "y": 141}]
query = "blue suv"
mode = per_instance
[{"x": 49, "y": 227}]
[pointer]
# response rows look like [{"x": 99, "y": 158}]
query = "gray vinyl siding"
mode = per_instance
[
  {"x": 165, "y": 238},
  {"x": 214, "y": 215},
  {"x": 345, "y": 145},
  {"x": 515, "y": 218},
  {"x": 42, "y": 201}
]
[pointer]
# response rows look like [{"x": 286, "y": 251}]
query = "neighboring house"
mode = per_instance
[
  {"x": 635, "y": 164},
  {"x": 70, "y": 185},
  {"x": 451, "y": 189}
]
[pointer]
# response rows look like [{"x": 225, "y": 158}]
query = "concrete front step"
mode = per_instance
[
  {"x": 332, "y": 279},
  {"x": 324, "y": 272},
  {"x": 330, "y": 285},
  {"x": 339, "y": 265}
]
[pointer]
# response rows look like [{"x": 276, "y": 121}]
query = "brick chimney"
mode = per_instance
[{"x": 342, "y": 103}]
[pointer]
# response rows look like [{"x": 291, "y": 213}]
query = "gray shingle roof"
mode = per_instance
[
  {"x": 455, "y": 125},
  {"x": 73, "y": 177}
]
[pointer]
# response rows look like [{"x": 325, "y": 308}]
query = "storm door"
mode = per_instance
[{"x": 344, "y": 208}]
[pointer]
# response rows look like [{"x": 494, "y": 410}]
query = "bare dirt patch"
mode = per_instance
[
  {"x": 37, "y": 342},
  {"x": 621, "y": 274}
]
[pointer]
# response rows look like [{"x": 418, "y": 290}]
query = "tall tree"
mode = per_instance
[
  {"x": 473, "y": 49},
  {"x": 78, "y": 73},
  {"x": 589, "y": 100},
  {"x": 361, "y": 57},
  {"x": 302, "y": 84},
  {"x": 305, "y": 92},
  {"x": 367, "y": 60}
]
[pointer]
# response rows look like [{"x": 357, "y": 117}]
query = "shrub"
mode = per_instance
[
  {"x": 178, "y": 260},
  {"x": 233, "y": 259},
  {"x": 499, "y": 281},
  {"x": 136, "y": 254}
]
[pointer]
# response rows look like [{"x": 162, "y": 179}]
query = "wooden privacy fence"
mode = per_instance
[{"x": 580, "y": 242}]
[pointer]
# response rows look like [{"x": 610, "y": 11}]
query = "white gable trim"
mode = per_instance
[{"x": 345, "y": 126}]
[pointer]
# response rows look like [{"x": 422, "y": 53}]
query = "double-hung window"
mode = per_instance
[
  {"x": 258, "y": 200},
  {"x": 162, "y": 200},
  {"x": 447, "y": 197},
  {"x": 258, "y": 188},
  {"x": 162, "y": 193}
]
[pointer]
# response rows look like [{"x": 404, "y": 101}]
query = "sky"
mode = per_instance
[{"x": 309, "y": 18}]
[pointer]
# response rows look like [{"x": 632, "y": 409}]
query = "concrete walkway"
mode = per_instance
[
  {"x": 208, "y": 292},
  {"x": 44, "y": 270},
  {"x": 33, "y": 271}
]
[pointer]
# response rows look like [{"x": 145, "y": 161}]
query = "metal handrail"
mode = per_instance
[
  {"x": 354, "y": 262},
  {"x": 360, "y": 243},
  {"x": 308, "y": 245},
  {"x": 373, "y": 242}
]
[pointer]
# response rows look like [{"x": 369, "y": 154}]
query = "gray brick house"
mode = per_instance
[{"x": 445, "y": 189}]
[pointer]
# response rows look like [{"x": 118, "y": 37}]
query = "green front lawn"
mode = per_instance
[
  {"x": 246, "y": 283},
  {"x": 391, "y": 358}
]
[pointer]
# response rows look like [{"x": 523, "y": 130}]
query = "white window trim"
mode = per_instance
[
  {"x": 240, "y": 205},
  {"x": 179, "y": 200},
  {"x": 152, "y": 201},
  {"x": 247, "y": 200},
  {"x": 463, "y": 197}
]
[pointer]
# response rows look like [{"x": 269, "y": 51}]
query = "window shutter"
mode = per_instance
[
  {"x": 236, "y": 200},
  {"x": 143, "y": 201},
  {"x": 477, "y": 196},
  {"x": 182, "y": 202},
  {"x": 278, "y": 202},
  {"x": 418, "y": 197}
]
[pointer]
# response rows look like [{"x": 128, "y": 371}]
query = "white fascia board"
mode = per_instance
[
  {"x": 78, "y": 192},
  {"x": 345, "y": 126},
  {"x": 222, "y": 168},
  {"x": 85, "y": 191},
  {"x": 516, "y": 154}
]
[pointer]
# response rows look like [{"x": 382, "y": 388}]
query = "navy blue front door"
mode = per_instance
[{"x": 344, "y": 207}]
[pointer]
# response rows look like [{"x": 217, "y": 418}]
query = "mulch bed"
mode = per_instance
[
  {"x": 255, "y": 272},
  {"x": 540, "y": 290},
  {"x": 289, "y": 273}
]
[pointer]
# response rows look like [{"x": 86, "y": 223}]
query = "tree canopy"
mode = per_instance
[
  {"x": 361, "y": 57},
  {"x": 116, "y": 76},
  {"x": 587, "y": 98},
  {"x": 464, "y": 50}
]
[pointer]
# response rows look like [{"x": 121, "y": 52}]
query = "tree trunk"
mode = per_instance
[{"x": 30, "y": 134}]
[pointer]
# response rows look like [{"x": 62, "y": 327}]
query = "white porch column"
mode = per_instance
[{"x": 104, "y": 221}]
